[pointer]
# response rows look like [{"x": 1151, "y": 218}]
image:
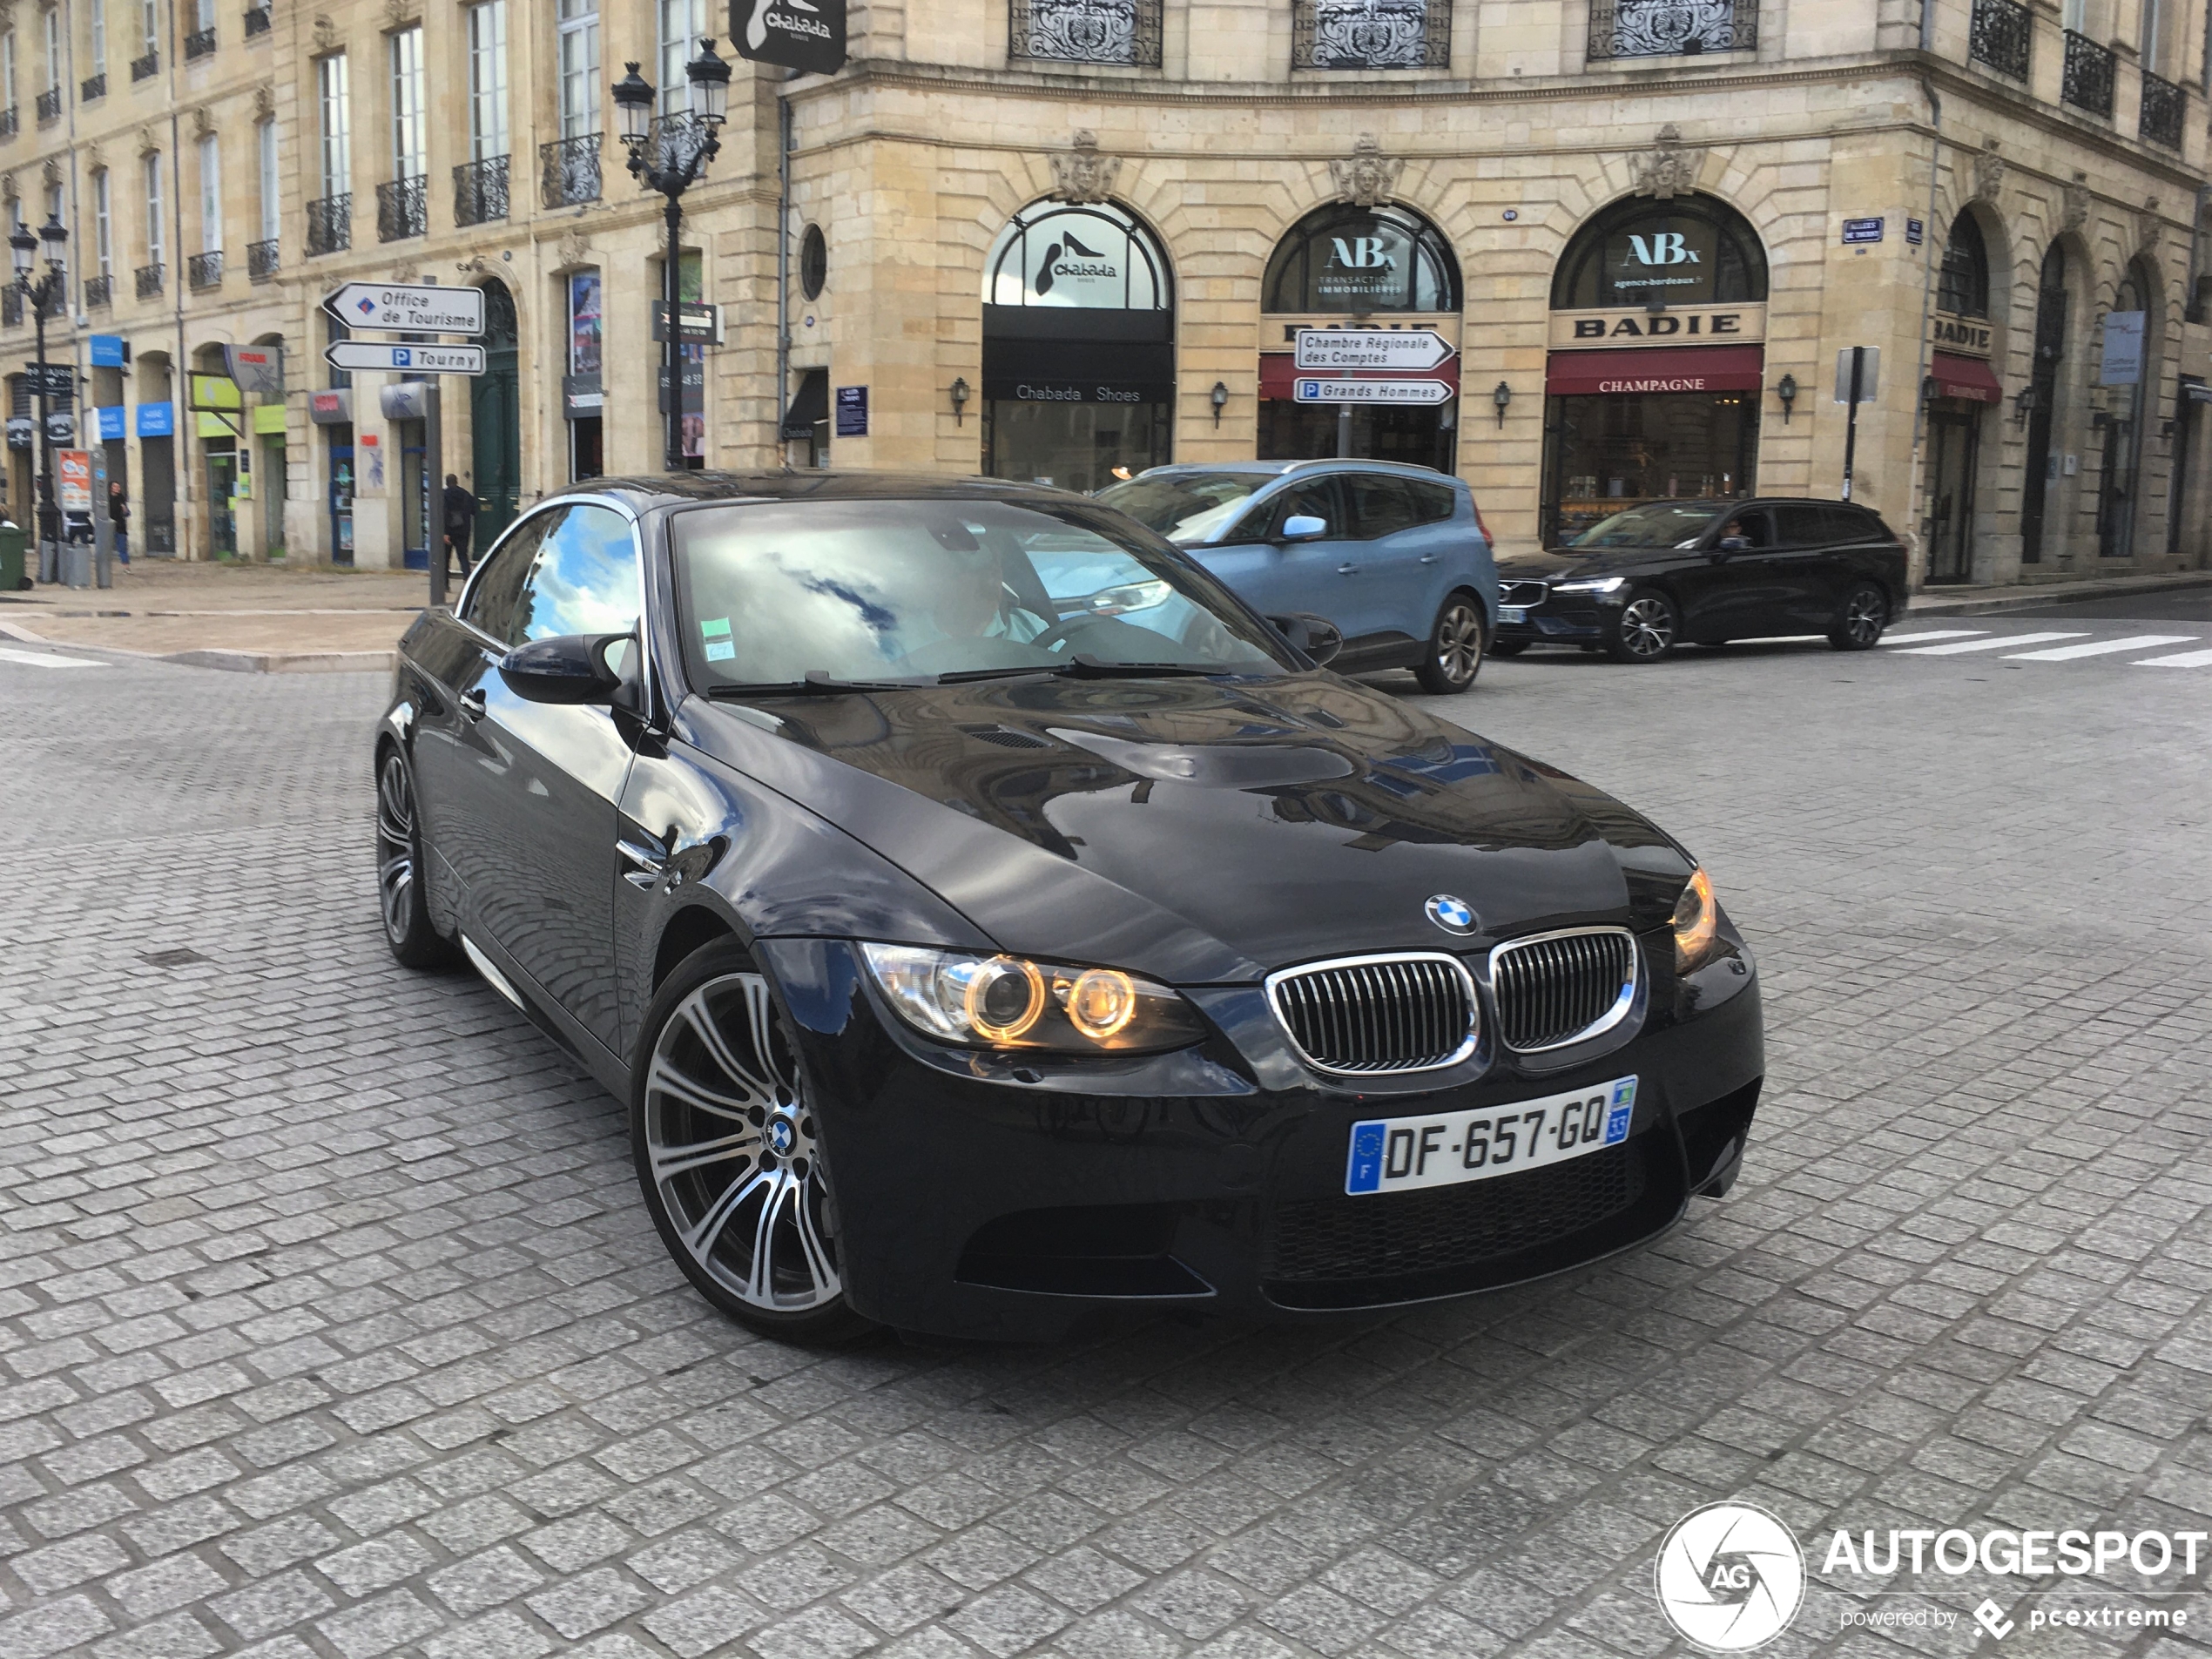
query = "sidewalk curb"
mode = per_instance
[
  {"x": 2055, "y": 593},
  {"x": 284, "y": 662}
]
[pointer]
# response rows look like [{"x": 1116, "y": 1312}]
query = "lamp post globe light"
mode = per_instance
[
  {"x": 668, "y": 158},
  {"x": 23, "y": 247}
]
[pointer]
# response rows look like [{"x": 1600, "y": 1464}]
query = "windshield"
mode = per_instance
[
  {"x": 1185, "y": 507},
  {"x": 1656, "y": 524},
  {"x": 874, "y": 591}
]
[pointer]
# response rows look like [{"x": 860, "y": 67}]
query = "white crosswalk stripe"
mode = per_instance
[
  {"x": 2179, "y": 659},
  {"x": 32, "y": 659},
  {"x": 1933, "y": 633},
  {"x": 2100, "y": 648},
  {"x": 1998, "y": 644}
]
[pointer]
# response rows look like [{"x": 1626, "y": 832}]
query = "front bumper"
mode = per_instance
[
  {"x": 1552, "y": 617},
  {"x": 1008, "y": 1198}
]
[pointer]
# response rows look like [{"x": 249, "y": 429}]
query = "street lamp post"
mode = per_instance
[
  {"x": 670, "y": 166},
  {"x": 23, "y": 247}
]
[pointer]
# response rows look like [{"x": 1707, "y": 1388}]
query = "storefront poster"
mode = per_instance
[
  {"x": 851, "y": 403},
  {"x": 73, "y": 473},
  {"x": 2122, "y": 361},
  {"x": 584, "y": 323}
]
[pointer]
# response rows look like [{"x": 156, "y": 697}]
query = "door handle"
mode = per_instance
[
  {"x": 648, "y": 862},
  {"x": 1431, "y": 559},
  {"x": 1348, "y": 569},
  {"x": 472, "y": 704}
]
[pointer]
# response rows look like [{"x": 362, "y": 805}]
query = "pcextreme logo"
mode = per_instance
[{"x": 1731, "y": 1577}]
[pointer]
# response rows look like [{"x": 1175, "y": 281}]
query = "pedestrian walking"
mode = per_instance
[
  {"x": 119, "y": 514},
  {"x": 461, "y": 520}
]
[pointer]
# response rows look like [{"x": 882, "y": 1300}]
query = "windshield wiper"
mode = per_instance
[
  {"x": 962, "y": 676},
  {"x": 816, "y": 683},
  {"x": 1090, "y": 668}
]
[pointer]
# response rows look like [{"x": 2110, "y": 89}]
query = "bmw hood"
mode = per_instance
[{"x": 1197, "y": 830}]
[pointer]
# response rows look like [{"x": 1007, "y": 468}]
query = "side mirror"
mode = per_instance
[
  {"x": 1304, "y": 527},
  {"x": 1318, "y": 637},
  {"x": 570, "y": 668}
]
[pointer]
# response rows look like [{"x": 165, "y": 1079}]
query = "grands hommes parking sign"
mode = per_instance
[{"x": 798, "y": 34}]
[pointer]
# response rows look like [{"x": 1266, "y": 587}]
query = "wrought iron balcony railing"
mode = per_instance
[
  {"x": 1085, "y": 32},
  {"x": 570, "y": 172},
  {"x": 257, "y": 20},
  {"x": 11, "y": 307},
  {"x": 11, "y": 123},
  {"x": 261, "y": 259},
  {"x": 2165, "y": 112},
  {"x": 150, "y": 281},
  {"x": 206, "y": 269},
  {"x": 2090, "y": 70},
  {"x": 1673, "y": 27},
  {"x": 94, "y": 86},
  {"x": 99, "y": 293},
  {"x": 1371, "y": 34},
  {"x": 50, "y": 106},
  {"x": 199, "y": 43},
  {"x": 145, "y": 69},
  {"x": 2000, "y": 36},
  {"x": 330, "y": 225},
  {"x": 480, "y": 191},
  {"x": 403, "y": 208}
]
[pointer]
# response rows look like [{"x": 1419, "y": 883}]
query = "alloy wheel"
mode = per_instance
[
  {"x": 395, "y": 881},
  {"x": 730, "y": 1147},
  {"x": 1864, "y": 615},
  {"x": 1647, "y": 627},
  {"x": 1459, "y": 643}
]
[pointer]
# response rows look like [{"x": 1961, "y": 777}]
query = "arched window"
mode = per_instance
[
  {"x": 1693, "y": 250},
  {"x": 1092, "y": 256},
  {"x": 1359, "y": 259},
  {"x": 1963, "y": 289}
]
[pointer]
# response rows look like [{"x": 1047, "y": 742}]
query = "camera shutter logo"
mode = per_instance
[{"x": 1731, "y": 1577}]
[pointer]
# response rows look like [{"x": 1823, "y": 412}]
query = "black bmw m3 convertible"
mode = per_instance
[{"x": 988, "y": 919}]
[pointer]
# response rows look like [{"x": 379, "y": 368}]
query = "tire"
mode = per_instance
[
  {"x": 1455, "y": 641},
  {"x": 725, "y": 1144},
  {"x": 1646, "y": 629},
  {"x": 1507, "y": 647},
  {"x": 408, "y": 928},
  {"x": 1865, "y": 614}
]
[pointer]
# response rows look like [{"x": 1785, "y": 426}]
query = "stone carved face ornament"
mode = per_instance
[
  {"x": 1369, "y": 179},
  {"x": 1989, "y": 175},
  {"x": 1667, "y": 169},
  {"x": 1082, "y": 174}
]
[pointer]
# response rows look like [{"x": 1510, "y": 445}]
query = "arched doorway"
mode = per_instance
[
  {"x": 1344, "y": 266},
  {"x": 495, "y": 420},
  {"x": 2128, "y": 369},
  {"x": 2043, "y": 386},
  {"x": 1657, "y": 356},
  {"x": 1963, "y": 386},
  {"x": 1078, "y": 348}
]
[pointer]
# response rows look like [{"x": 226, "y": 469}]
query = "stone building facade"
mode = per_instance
[{"x": 1058, "y": 238}]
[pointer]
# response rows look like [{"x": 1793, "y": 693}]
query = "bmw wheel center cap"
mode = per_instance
[{"x": 1453, "y": 915}]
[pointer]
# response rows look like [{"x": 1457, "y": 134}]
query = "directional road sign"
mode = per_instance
[
  {"x": 1399, "y": 348},
  {"x": 414, "y": 308},
  {"x": 1371, "y": 391},
  {"x": 377, "y": 357}
]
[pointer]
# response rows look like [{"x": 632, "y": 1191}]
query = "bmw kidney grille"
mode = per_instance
[
  {"x": 1412, "y": 1012},
  {"x": 1556, "y": 988}
]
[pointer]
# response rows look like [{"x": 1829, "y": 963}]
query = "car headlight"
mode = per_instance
[
  {"x": 1010, "y": 1002},
  {"x": 1591, "y": 584},
  {"x": 1697, "y": 924}
]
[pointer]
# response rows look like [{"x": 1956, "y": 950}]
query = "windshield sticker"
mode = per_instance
[
  {"x": 720, "y": 651},
  {"x": 715, "y": 628}
]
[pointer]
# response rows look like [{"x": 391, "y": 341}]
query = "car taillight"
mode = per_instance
[{"x": 1489, "y": 540}]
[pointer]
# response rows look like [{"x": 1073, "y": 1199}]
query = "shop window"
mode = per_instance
[
  {"x": 1963, "y": 286},
  {"x": 1360, "y": 259},
  {"x": 1692, "y": 250}
]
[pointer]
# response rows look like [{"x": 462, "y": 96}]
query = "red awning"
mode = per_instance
[
  {"x": 1277, "y": 369},
  {"x": 1967, "y": 377},
  {"x": 1670, "y": 368}
]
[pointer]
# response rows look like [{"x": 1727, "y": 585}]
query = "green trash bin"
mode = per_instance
[{"x": 12, "y": 537}]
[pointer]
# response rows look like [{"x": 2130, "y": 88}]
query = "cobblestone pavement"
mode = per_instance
[{"x": 330, "y": 1323}]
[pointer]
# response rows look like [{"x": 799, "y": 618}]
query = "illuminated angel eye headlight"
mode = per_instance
[
  {"x": 1591, "y": 584},
  {"x": 1697, "y": 923},
  {"x": 1009, "y": 1002}
]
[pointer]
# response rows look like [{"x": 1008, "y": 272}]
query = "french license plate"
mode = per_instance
[
  {"x": 1512, "y": 613},
  {"x": 1398, "y": 1154}
]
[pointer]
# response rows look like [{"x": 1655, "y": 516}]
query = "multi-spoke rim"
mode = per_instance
[
  {"x": 1459, "y": 642},
  {"x": 395, "y": 847},
  {"x": 730, "y": 1139},
  {"x": 1647, "y": 627},
  {"x": 1863, "y": 616}
]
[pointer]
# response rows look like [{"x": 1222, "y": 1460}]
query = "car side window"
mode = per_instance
[
  {"x": 499, "y": 585},
  {"x": 584, "y": 579},
  {"x": 1856, "y": 524},
  {"x": 1433, "y": 504},
  {"x": 1314, "y": 498},
  {"x": 1756, "y": 526},
  {"x": 1804, "y": 526},
  {"x": 1377, "y": 505}
]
